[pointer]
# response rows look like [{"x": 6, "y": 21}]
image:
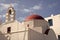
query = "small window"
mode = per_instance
[
  {"x": 50, "y": 21},
  {"x": 28, "y": 25},
  {"x": 8, "y": 29},
  {"x": 58, "y": 37}
]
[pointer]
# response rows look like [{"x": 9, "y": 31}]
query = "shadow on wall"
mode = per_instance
[
  {"x": 2, "y": 36},
  {"x": 34, "y": 35}
]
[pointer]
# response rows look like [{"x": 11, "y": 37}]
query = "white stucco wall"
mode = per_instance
[
  {"x": 20, "y": 31},
  {"x": 56, "y": 23}
]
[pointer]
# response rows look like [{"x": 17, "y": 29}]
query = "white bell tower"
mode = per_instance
[{"x": 10, "y": 15}]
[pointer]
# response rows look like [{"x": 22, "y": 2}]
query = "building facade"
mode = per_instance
[
  {"x": 54, "y": 22},
  {"x": 34, "y": 27}
]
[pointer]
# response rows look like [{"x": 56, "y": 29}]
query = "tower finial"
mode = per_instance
[{"x": 10, "y": 5}]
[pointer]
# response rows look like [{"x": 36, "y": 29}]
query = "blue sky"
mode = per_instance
[{"x": 27, "y": 7}]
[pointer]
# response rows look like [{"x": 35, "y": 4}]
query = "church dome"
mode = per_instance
[{"x": 34, "y": 16}]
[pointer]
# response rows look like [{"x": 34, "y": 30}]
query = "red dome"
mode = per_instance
[{"x": 34, "y": 17}]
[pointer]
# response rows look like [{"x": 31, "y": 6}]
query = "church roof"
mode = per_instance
[{"x": 34, "y": 16}]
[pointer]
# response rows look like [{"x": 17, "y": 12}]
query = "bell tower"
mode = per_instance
[{"x": 10, "y": 15}]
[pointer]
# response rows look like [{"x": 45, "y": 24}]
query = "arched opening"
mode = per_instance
[
  {"x": 9, "y": 11},
  {"x": 8, "y": 29}
]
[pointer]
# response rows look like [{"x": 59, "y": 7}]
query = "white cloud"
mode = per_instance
[
  {"x": 37, "y": 7},
  {"x": 20, "y": 19},
  {"x": 2, "y": 16},
  {"x": 32, "y": 9},
  {"x": 7, "y": 5},
  {"x": 3, "y": 6},
  {"x": 27, "y": 10}
]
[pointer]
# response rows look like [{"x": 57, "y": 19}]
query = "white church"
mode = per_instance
[{"x": 34, "y": 27}]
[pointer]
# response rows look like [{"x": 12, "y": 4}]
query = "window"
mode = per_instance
[
  {"x": 50, "y": 21},
  {"x": 8, "y": 29},
  {"x": 58, "y": 37},
  {"x": 28, "y": 25}
]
